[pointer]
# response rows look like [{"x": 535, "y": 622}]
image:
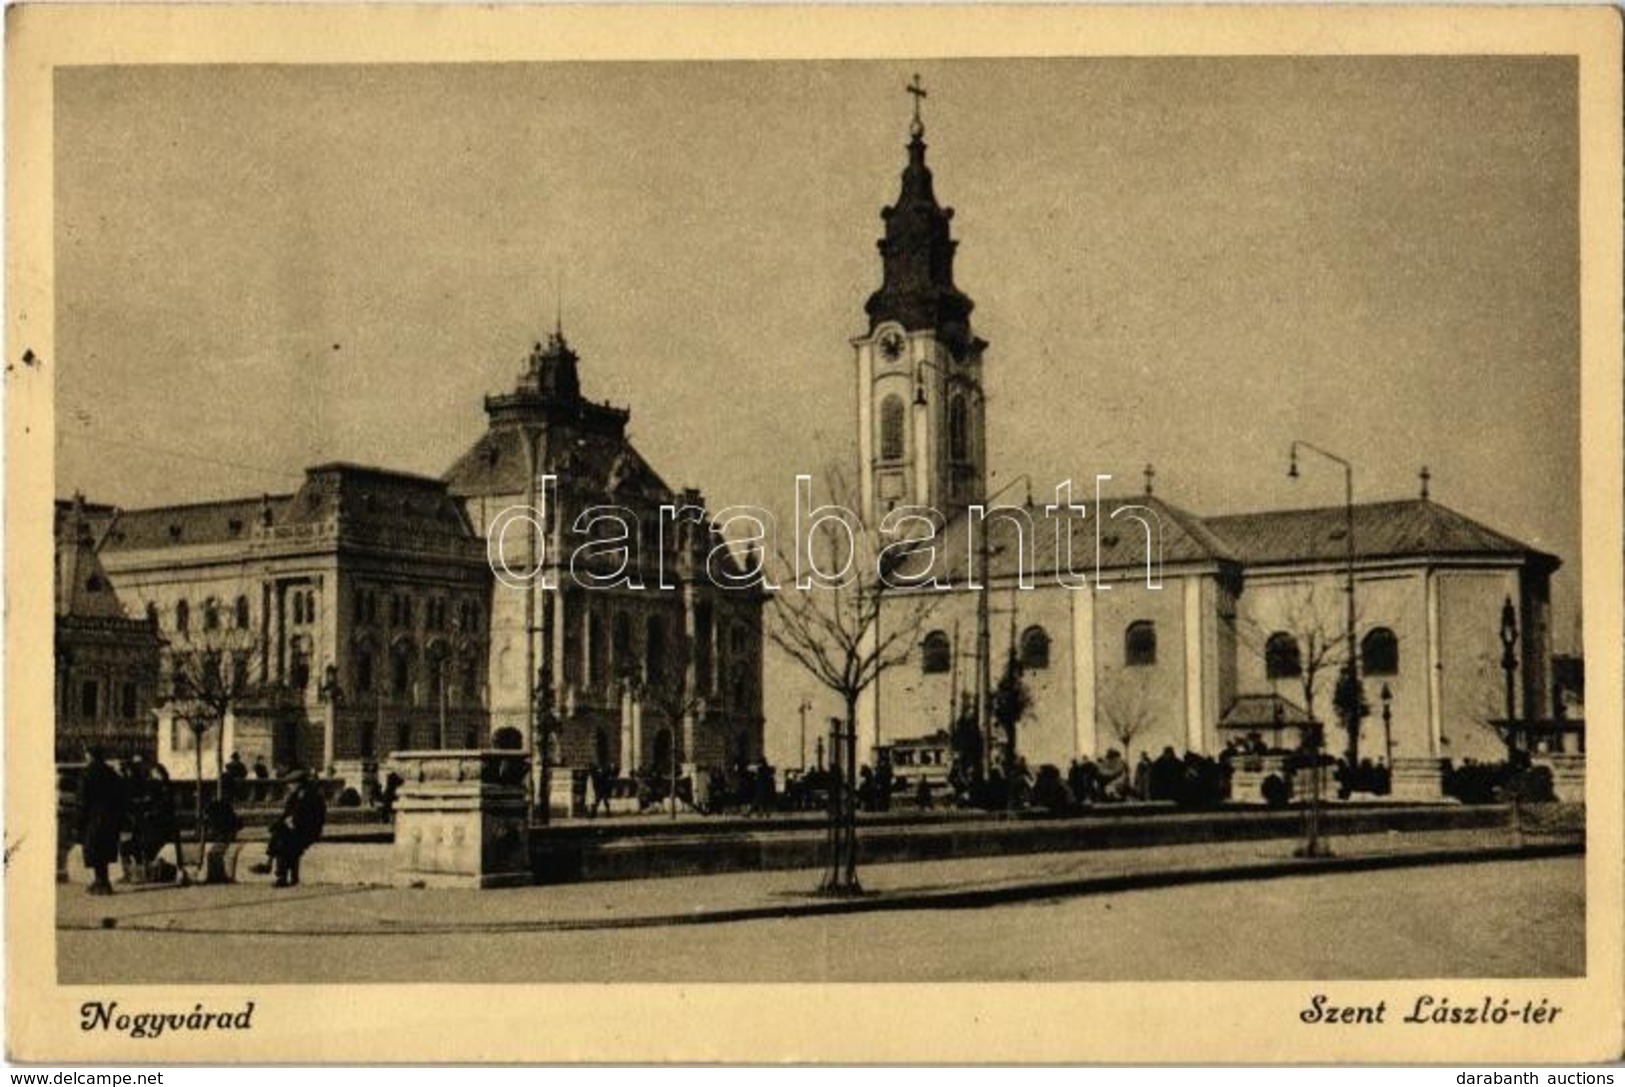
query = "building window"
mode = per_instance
[
  {"x": 936, "y": 654},
  {"x": 242, "y": 613},
  {"x": 299, "y": 608},
  {"x": 183, "y": 616},
  {"x": 891, "y": 428},
  {"x": 622, "y": 641},
  {"x": 1035, "y": 647},
  {"x": 1140, "y": 643},
  {"x": 152, "y": 614},
  {"x": 89, "y": 694},
  {"x": 299, "y": 669},
  {"x": 1282, "y": 657},
  {"x": 654, "y": 650},
  {"x": 127, "y": 701},
  {"x": 400, "y": 672},
  {"x": 239, "y": 671},
  {"x": 471, "y": 679},
  {"x": 363, "y": 670},
  {"x": 1379, "y": 653},
  {"x": 702, "y": 645},
  {"x": 958, "y": 429}
]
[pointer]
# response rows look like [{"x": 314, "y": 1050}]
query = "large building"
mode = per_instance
[
  {"x": 360, "y": 615},
  {"x": 1141, "y": 625}
]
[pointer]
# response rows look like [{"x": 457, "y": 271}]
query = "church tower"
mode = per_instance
[{"x": 921, "y": 413}]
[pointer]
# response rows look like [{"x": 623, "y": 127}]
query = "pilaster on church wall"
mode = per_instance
[{"x": 1471, "y": 681}]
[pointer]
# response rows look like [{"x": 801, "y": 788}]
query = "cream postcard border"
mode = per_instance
[{"x": 1049, "y": 1022}]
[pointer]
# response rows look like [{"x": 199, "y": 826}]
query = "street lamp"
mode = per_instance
[
  {"x": 984, "y": 668},
  {"x": 1348, "y": 698},
  {"x": 806, "y": 704},
  {"x": 1388, "y": 726},
  {"x": 1509, "y": 665}
]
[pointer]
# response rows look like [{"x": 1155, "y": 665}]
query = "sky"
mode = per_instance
[{"x": 1183, "y": 262}]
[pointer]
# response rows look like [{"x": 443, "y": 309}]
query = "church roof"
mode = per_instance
[
  {"x": 1184, "y": 538},
  {"x": 1404, "y": 529}
]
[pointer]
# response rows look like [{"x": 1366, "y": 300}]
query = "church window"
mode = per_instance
[
  {"x": 1282, "y": 657},
  {"x": 1035, "y": 647},
  {"x": 183, "y": 616},
  {"x": 958, "y": 429},
  {"x": 1140, "y": 643},
  {"x": 1379, "y": 653},
  {"x": 891, "y": 428},
  {"x": 936, "y": 654}
]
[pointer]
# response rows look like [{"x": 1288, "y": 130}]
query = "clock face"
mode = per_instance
[{"x": 891, "y": 345}]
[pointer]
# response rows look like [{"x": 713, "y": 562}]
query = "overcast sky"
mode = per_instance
[{"x": 1187, "y": 262}]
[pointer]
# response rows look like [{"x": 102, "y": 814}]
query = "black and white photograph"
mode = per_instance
[{"x": 917, "y": 517}]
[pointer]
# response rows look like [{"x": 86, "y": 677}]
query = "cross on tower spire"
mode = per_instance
[
  {"x": 916, "y": 127},
  {"x": 1426, "y": 477},
  {"x": 1150, "y": 474}
]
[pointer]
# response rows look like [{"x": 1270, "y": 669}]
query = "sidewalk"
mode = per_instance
[{"x": 256, "y": 907}]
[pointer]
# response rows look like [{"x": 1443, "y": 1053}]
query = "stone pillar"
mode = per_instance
[
  {"x": 1416, "y": 779},
  {"x": 460, "y": 820}
]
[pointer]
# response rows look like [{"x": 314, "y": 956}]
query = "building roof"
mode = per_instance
[
  {"x": 1183, "y": 537},
  {"x": 193, "y": 523},
  {"x": 1405, "y": 529},
  {"x": 1263, "y": 711}
]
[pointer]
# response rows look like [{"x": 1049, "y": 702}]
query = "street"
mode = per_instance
[{"x": 1445, "y": 921}]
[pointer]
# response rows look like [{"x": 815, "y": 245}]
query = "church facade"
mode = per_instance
[{"x": 1140, "y": 625}]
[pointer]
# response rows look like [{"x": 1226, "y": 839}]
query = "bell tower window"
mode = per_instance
[
  {"x": 891, "y": 428},
  {"x": 958, "y": 429}
]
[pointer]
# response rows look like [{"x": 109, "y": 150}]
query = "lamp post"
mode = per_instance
[
  {"x": 1509, "y": 665},
  {"x": 1348, "y": 699},
  {"x": 984, "y": 666},
  {"x": 806, "y": 704},
  {"x": 1388, "y": 726}
]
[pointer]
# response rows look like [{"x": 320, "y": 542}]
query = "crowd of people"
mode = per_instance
[{"x": 128, "y": 816}]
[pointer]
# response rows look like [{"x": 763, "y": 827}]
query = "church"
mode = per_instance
[{"x": 1139, "y": 624}]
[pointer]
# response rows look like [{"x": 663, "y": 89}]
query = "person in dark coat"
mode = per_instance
[
  {"x": 101, "y": 808},
  {"x": 303, "y": 815}
]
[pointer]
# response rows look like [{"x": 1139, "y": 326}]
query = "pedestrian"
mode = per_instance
[
  {"x": 101, "y": 807},
  {"x": 262, "y": 775},
  {"x": 236, "y": 774},
  {"x": 303, "y": 815}
]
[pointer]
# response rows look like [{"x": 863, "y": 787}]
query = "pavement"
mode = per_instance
[{"x": 255, "y": 907}]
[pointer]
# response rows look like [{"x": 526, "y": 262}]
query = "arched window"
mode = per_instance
[
  {"x": 363, "y": 670},
  {"x": 891, "y": 428},
  {"x": 298, "y": 607},
  {"x": 1035, "y": 647},
  {"x": 211, "y": 614},
  {"x": 654, "y": 650},
  {"x": 1379, "y": 653},
  {"x": 1282, "y": 657},
  {"x": 183, "y": 616},
  {"x": 958, "y": 429},
  {"x": 152, "y": 614},
  {"x": 936, "y": 654},
  {"x": 400, "y": 671},
  {"x": 1140, "y": 643}
]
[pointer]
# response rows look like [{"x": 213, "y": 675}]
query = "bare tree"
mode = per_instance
[
  {"x": 210, "y": 672},
  {"x": 845, "y": 634},
  {"x": 1123, "y": 701},
  {"x": 1316, "y": 624}
]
